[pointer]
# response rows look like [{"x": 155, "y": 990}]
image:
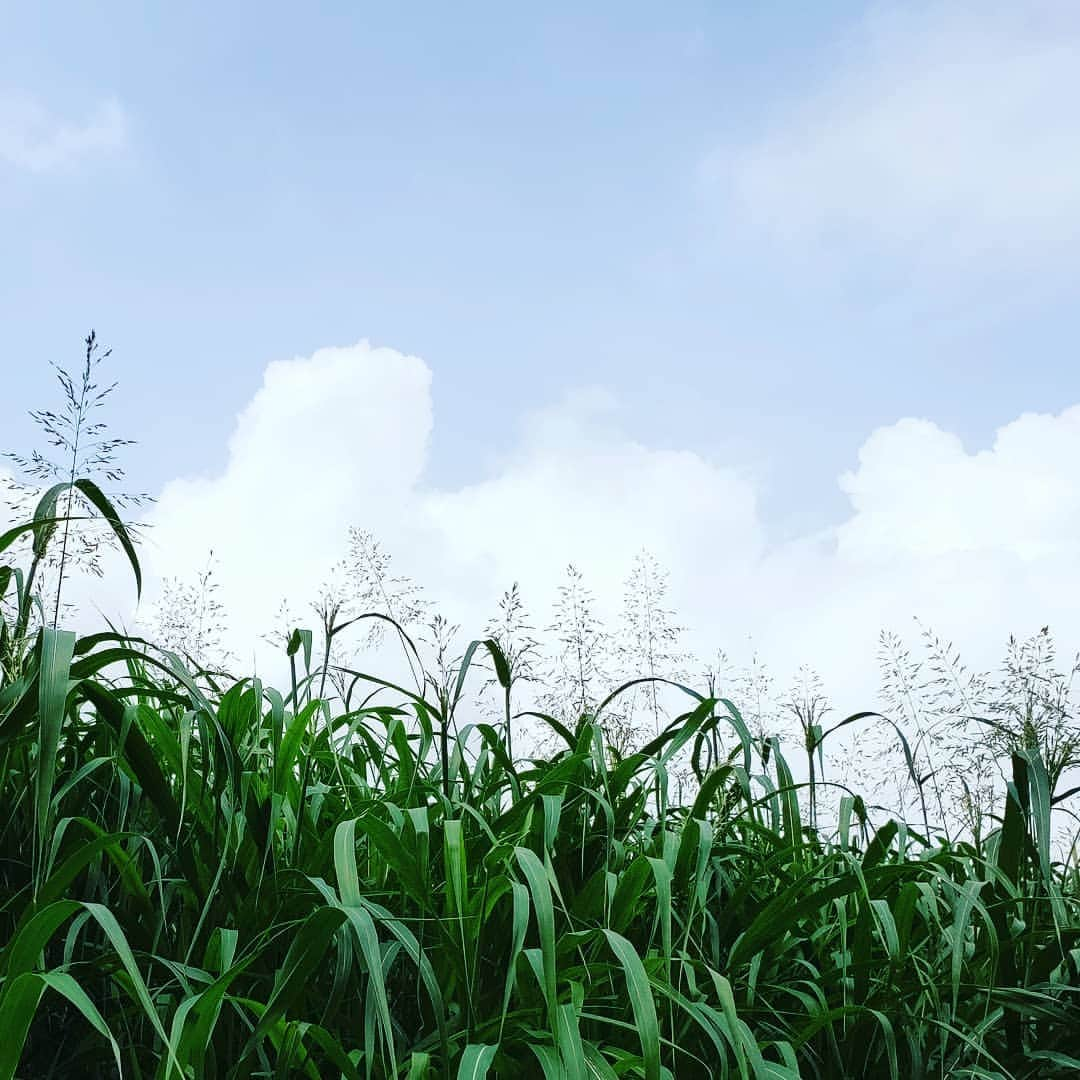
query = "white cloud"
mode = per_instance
[
  {"x": 943, "y": 133},
  {"x": 918, "y": 493},
  {"x": 979, "y": 545},
  {"x": 327, "y": 441},
  {"x": 33, "y": 139},
  {"x": 578, "y": 489}
]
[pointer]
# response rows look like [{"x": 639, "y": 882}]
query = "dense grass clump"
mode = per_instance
[{"x": 202, "y": 877}]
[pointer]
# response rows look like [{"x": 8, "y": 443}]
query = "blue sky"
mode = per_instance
[
  {"x": 520, "y": 197},
  {"x": 758, "y": 234}
]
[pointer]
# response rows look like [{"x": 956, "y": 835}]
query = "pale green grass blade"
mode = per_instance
[{"x": 641, "y": 1002}]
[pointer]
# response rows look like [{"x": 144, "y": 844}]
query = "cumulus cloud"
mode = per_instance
[
  {"x": 979, "y": 544},
  {"x": 34, "y": 139},
  {"x": 341, "y": 438},
  {"x": 327, "y": 441},
  {"x": 917, "y": 493},
  {"x": 940, "y": 133},
  {"x": 579, "y": 489}
]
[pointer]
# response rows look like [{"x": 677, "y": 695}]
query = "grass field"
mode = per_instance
[{"x": 212, "y": 878}]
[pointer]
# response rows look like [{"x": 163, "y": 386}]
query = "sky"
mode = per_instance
[{"x": 785, "y": 293}]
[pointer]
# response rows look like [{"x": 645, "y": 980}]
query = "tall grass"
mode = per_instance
[{"x": 212, "y": 878}]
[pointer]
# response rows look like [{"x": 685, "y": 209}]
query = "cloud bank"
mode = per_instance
[{"x": 979, "y": 544}]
